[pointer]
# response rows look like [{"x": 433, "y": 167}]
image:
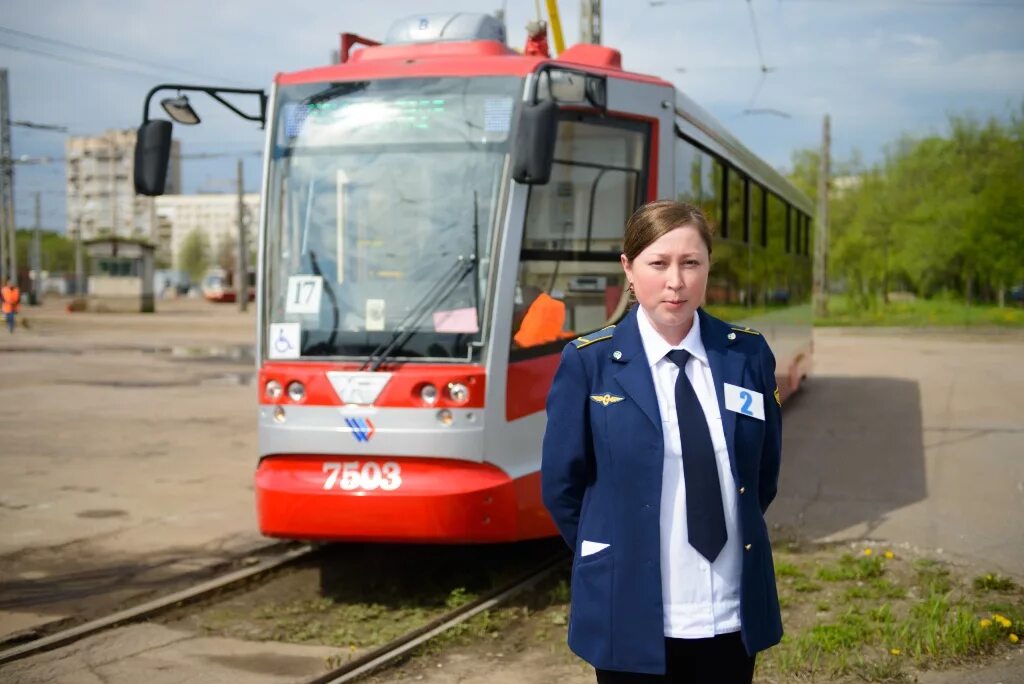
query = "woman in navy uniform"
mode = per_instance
[{"x": 661, "y": 456}]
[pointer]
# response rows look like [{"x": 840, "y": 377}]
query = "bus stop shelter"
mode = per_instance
[{"x": 120, "y": 274}]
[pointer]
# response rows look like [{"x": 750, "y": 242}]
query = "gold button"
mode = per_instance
[
  {"x": 746, "y": 547},
  {"x": 743, "y": 490}
]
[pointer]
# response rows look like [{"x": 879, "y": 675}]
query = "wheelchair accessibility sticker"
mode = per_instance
[{"x": 283, "y": 342}]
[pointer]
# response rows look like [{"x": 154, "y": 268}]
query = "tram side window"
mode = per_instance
[
  {"x": 699, "y": 179},
  {"x": 798, "y": 228},
  {"x": 569, "y": 280},
  {"x": 776, "y": 257},
  {"x": 789, "y": 229},
  {"x": 735, "y": 223},
  {"x": 758, "y": 235},
  {"x": 807, "y": 235}
]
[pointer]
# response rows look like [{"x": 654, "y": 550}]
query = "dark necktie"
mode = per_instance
[{"x": 705, "y": 516}]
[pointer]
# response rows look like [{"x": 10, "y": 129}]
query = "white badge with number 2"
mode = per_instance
[
  {"x": 744, "y": 401},
  {"x": 304, "y": 292}
]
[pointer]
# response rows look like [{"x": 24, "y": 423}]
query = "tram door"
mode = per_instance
[{"x": 569, "y": 262}]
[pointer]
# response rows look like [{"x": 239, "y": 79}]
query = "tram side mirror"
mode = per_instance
[
  {"x": 535, "y": 143},
  {"x": 152, "y": 152}
]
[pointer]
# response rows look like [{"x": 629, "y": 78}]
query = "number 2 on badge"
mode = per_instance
[{"x": 747, "y": 399}]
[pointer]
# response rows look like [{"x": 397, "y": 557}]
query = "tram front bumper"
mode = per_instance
[{"x": 396, "y": 499}]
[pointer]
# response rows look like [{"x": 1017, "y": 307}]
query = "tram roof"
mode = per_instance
[
  {"x": 706, "y": 130},
  {"x": 492, "y": 58},
  {"x": 461, "y": 58}
]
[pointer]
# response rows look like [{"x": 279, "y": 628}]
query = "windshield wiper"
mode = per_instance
[
  {"x": 336, "y": 316},
  {"x": 437, "y": 293}
]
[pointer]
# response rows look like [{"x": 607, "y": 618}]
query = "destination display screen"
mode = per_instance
[{"x": 395, "y": 112}]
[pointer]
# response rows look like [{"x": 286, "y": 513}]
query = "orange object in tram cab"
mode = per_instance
[
  {"x": 542, "y": 323},
  {"x": 12, "y": 298}
]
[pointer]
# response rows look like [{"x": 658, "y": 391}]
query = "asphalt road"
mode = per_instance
[
  {"x": 128, "y": 447},
  {"x": 910, "y": 436}
]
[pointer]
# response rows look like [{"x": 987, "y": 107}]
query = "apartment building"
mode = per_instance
[
  {"x": 213, "y": 215},
  {"x": 101, "y": 197}
]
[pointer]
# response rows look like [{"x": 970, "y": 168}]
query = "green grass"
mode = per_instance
[
  {"x": 851, "y": 568},
  {"x": 880, "y": 618},
  {"x": 994, "y": 582},
  {"x": 920, "y": 313}
]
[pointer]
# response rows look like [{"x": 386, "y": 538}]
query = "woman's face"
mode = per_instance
[{"x": 670, "y": 278}]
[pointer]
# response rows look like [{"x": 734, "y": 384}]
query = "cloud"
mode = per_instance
[
  {"x": 878, "y": 68},
  {"x": 918, "y": 41}
]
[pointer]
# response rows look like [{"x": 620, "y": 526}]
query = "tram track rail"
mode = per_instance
[
  {"x": 387, "y": 654},
  {"x": 363, "y": 666},
  {"x": 152, "y": 607}
]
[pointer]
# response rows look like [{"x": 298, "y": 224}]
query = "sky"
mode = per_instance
[{"x": 880, "y": 68}]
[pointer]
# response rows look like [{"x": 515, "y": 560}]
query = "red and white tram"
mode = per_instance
[{"x": 440, "y": 215}]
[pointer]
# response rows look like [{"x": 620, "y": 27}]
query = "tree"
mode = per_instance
[
  {"x": 227, "y": 252},
  {"x": 940, "y": 213},
  {"x": 57, "y": 253},
  {"x": 194, "y": 256}
]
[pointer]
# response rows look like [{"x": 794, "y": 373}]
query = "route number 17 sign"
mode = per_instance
[{"x": 304, "y": 292}]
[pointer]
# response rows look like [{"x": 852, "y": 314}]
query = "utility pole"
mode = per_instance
[
  {"x": 242, "y": 275},
  {"x": 821, "y": 238},
  {"x": 79, "y": 260},
  {"x": 590, "y": 21},
  {"x": 9, "y": 267},
  {"x": 113, "y": 189},
  {"x": 35, "y": 259}
]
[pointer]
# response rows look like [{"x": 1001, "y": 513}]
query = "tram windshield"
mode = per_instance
[{"x": 381, "y": 207}]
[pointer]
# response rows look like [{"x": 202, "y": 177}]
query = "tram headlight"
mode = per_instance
[
  {"x": 273, "y": 389},
  {"x": 428, "y": 393},
  {"x": 458, "y": 392},
  {"x": 445, "y": 417},
  {"x": 296, "y": 391}
]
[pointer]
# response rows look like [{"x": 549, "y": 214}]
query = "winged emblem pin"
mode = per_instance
[{"x": 605, "y": 399}]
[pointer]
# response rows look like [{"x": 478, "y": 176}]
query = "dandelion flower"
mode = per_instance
[
  {"x": 1014, "y": 638},
  {"x": 895, "y": 651},
  {"x": 868, "y": 552},
  {"x": 1003, "y": 622},
  {"x": 890, "y": 555},
  {"x": 985, "y": 623}
]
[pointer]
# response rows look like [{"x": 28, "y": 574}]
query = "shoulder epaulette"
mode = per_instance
[
  {"x": 749, "y": 331},
  {"x": 596, "y": 336}
]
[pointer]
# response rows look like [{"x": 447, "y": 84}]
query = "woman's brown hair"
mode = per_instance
[{"x": 654, "y": 219}]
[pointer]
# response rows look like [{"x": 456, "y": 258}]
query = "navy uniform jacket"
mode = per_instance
[{"x": 601, "y": 481}]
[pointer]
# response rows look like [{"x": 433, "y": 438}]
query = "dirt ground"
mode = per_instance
[
  {"x": 129, "y": 441},
  {"x": 128, "y": 447}
]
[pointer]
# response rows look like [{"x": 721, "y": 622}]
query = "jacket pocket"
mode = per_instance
[{"x": 591, "y": 605}]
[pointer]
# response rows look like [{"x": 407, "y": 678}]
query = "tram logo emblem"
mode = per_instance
[
  {"x": 362, "y": 428},
  {"x": 605, "y": 399},
  {"x": 358, "y": 387}
]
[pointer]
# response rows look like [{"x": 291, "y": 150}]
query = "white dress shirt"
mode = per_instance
[{"x": 700, "y": 599}]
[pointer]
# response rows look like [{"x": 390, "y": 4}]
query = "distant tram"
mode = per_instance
[
  {"x": 218, "y": 286},
  {"x": 440, "y": 216}
]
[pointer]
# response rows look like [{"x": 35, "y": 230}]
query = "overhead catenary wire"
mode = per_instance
[
  {"x": 765, "y": 70},
  {"x": 928, "y": 3},
  {"x": 110, "y": 55},
  {"x": 37, "y": 161},
  {"x": 77, "y": 61},
  {"x": 932, "y": 3},
  {"x": 757, "y": 36}
]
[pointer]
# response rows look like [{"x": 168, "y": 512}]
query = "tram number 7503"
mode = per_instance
[{"x": 351, "y": 476}]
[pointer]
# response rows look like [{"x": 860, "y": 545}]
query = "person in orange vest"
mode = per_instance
[
  {"x": 11, "y": 299},
  {"x": 543, "y": 320}
]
